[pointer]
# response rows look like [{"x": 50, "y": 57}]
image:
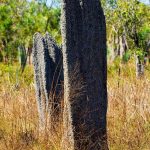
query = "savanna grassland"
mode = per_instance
[{"x": 128, "y": 110}]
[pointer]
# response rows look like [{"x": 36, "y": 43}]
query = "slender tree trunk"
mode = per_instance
[
  {"x": 29, "y": 55},
  {"x": 84, "y": 61},
  {"x": 139, "y": 63},
  {"x": 147, "y": 55},
  {"x": 123, "y": 45},
  {"x": 139, "y": 67}
]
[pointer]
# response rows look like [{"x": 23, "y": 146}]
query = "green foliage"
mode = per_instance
[
  {"x": 144, "y": 36},
  {"x": 117, "y": 63},
  {"x": 11, "y": 75},
  {"x": 20, "y": 20},
  {"x": 129, "y": 18},
  {"x": 140, "y": 53},
  {"x": 127, "y": 56}
]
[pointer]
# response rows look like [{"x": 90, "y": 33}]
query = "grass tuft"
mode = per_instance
[{"x": 128, "y": 111}]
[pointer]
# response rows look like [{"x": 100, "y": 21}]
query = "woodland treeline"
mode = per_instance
[
  {"x": 128, "y": 27},
  {"x": 19, "y": 20}
]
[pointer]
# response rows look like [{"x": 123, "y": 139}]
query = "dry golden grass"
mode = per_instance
[{"x": 128, "y": 112}]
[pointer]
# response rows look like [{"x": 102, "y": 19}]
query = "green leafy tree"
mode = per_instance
[
  {"x": 20, "y": 20},
  {"x": 129, "y": 18}
]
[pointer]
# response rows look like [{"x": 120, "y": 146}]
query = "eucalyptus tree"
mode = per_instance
[
  {"x": 20, "y": 20},
  {"x": 84, "y": 60},
  {"x": 127, "y": 30},
  {"x": 134, "y": 17}
]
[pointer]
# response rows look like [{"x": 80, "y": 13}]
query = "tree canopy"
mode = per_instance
[{"x": 19, "y": 20}]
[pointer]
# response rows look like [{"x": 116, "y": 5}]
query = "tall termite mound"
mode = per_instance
[
  {"x": 84, "y": 60},
  {"x": 47, "y": 61}
]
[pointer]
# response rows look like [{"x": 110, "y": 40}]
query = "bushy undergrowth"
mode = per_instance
[{"x": 128, "y": 111}]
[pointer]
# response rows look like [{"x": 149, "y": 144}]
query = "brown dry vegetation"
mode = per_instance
[{"x": 128, "y": 111}]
